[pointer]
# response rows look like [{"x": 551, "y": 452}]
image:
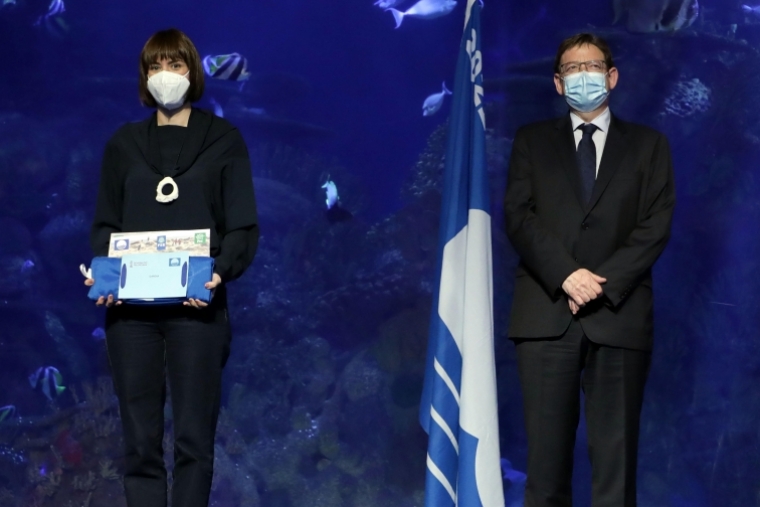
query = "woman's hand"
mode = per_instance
[
  {"x": 216, "y": 280},
  {"x": 101, "y": 300}
]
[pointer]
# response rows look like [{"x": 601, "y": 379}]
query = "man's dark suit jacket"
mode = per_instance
[{"x": 618, "y": 234}]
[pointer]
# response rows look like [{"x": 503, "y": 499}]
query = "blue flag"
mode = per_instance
[{"x": 458, "y": 409}]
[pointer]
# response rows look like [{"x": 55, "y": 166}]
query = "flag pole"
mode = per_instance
[{"x": 458, "y": 408}]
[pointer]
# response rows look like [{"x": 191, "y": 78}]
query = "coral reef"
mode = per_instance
[
  {"x": 689, "y": 97},
  {"x": 107, "y": 470},
  {"x": 85, "y": 482},
  {"x": 68, "y": 454}
]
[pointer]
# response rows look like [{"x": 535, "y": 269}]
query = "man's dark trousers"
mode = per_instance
[{"x": 552, "y": 372}]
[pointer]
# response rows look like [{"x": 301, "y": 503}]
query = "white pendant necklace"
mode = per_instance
[
  {"x": 160, "y": 196},
  {"x": 168, "y": 180}
]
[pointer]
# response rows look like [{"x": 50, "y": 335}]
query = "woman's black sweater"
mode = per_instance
[{"x": 209, "y": 162}]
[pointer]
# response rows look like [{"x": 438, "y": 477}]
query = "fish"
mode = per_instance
[
  {"x": 98, "y": 334},
  {"x": 56, "y": 8},
  {"x": 514, "y": 482},
  {"x": 751, "y": 10},
  {"x": 646, "y": 16},
  {"x": 8, "y": 2},
  {"x": 510, "y": 474},
  {"x": 52, "y": 21},
  {"x": 50, "y": 379},
  {"x": 7, "y": 412},
  {"x": 331, "y": 191},
  {"x": 387, "y": 4},
  {"x": 425, "y": 9},
  {"x": 256, "y": 111},
  {"x": 27, "y": 265},
  {"x": 335, "y": 213},
  {"x": 57, "y": 28},
  {"x": 217, "y": 108},
  {"x": 232, "y": 67},
  {"x": 434, "y": 102},
  {"x": 236, "y": 108}
]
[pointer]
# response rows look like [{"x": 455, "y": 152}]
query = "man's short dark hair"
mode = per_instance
[
  {"x": 171, "y": 44},
  {"x": 582, "y": 39}
]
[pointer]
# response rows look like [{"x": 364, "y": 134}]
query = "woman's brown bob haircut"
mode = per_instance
[
  {"x": 171, "y": 44},
  {"x": 582, "y": 39}
]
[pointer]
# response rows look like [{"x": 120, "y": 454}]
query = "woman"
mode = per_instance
[{"x": 210, "y": 187}]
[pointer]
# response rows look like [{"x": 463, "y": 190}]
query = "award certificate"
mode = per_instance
[{"x": 196, "y": 242}]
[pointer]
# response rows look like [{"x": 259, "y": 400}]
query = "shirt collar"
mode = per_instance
[{"x": 602, "y": 121}]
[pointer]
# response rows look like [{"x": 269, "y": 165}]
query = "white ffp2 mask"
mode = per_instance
[{"x": 169, "y": 88}]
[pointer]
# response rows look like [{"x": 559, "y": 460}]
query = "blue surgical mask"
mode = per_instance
[{"x": 585, "y": 91}]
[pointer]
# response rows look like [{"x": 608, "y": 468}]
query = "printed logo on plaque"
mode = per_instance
[{"x": 121, "y": 244}]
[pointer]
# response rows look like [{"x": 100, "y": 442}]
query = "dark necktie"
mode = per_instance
[{"x": 586, "y": 156}]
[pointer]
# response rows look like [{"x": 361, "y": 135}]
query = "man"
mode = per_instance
[{"x": 588, "y": 208}]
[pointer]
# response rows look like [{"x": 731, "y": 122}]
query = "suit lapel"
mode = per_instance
[
  {"x": 564, "y": 144},
  {"x": 614, "y": 150}
]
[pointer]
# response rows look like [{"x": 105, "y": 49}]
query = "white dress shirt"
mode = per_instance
[{"x": 600, "y": 136}]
